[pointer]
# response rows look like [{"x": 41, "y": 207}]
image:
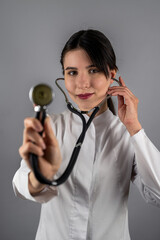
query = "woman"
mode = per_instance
[{"x": 92, "y": 203}]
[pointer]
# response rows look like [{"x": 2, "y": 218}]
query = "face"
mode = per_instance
[{"x": 86, "y": 85}]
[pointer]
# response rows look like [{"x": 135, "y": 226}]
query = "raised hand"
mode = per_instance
[{"x": 127, "y": 107}]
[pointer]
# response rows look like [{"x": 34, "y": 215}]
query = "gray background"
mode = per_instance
[{"x": 32, "y": 34}]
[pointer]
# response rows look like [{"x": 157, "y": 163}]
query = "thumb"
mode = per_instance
[{"x": 49, "y": 137}]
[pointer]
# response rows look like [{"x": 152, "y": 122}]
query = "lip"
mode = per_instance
[{"x": 85, "y": 96}]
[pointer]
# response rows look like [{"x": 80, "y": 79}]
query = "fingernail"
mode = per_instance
[
  {"x": 39, "y": 128},
  {"x": 43, "y": 146},
  {"x": 42, "y": 153}
]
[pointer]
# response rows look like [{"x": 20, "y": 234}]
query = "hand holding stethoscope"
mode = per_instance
[
  {"x": 46, "y": 161},
  {"x": 42, "y": 145},
  {"x": 127, "y": 107}
]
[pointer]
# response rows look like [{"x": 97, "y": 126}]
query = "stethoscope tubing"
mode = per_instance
[
  {"x": 41, "y": 115},
  {"x": 75, "y": 153}
]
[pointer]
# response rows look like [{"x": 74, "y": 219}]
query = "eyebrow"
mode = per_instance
[{"x": 74, "y": 68}]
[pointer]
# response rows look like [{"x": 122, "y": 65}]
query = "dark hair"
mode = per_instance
[{"x": 98, "y": 48}]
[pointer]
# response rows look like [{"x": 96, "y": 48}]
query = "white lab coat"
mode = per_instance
[{"x": 92, "y": 204}]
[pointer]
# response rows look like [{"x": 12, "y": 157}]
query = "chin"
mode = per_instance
[{"x": 84, "y": 108}]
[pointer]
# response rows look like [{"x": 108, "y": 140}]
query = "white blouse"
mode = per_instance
[{"x": 92, "y": 203}]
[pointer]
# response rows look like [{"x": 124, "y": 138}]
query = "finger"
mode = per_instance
[
  {"x": 28, "y": 148},
  {"x": 49, "y": 135},
  {"x": 114, "y": 90},
  {"x": 127, "y": 97},
  {"x": 120, "y": 101},
  {"x": 33, "y": 123},
  {"x": 33, "y": 136},
  {"x": 122, "y": 81},
  {"x": 121, "y": 93}
]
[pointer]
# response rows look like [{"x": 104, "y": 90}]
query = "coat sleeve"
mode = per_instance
[
  {"x": 20, "y": 186},
  {"x": 146, "y": 168},
  {"x": 20, "y": 180}
]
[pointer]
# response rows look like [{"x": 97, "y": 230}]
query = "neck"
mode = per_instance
[{"x": 102, "y": 109}]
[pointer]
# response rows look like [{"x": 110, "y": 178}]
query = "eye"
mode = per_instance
[
  {"x": 72, "y": 73},
  {"x": 93, "y": 70}
]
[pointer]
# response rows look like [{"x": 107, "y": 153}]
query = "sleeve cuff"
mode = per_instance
[
  {"x": 136, "y": 136},
  {"x": 20, "y": 186}
]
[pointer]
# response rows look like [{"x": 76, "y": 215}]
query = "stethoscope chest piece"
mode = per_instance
[{"x": 41, "y": 95}]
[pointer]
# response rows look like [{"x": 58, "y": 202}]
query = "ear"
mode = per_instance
[{"x": 113, "y": 73}]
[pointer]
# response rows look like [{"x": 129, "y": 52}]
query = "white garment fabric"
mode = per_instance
[{"x": 92, "y": 203}]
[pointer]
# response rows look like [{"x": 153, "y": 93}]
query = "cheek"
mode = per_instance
[
  {"x": 68, "y": 85},
  {"x": 102, "y": 84}
]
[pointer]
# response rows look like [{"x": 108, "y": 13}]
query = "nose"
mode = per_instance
[{"x": 83, "y": 81}]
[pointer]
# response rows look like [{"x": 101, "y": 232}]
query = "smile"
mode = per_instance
[{"x": 85, "y": 96}]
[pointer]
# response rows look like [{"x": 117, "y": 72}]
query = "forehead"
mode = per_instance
[{"x": 77, "y": 58}]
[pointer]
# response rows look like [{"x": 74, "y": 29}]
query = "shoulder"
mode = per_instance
[
  {"x": 115, "y": 125},
  {"x": 118, "y": 131},
  {"x": 57, "y": 118},
  {"x": 60, "y": 121},
  {"x": 120, "y": 142}
]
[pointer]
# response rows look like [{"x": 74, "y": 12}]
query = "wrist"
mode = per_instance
[
  {"x": 134, "y": 128},
  {"x": 34, "y": 185}
]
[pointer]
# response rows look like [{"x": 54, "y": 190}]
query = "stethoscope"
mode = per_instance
[{"x": 42, "y": 95}]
